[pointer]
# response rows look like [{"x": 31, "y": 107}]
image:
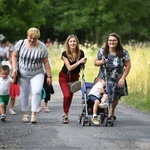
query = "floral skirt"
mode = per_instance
[{"x": 115, "y": 92}]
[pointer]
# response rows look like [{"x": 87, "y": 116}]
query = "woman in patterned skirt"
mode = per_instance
[{"x": 114, "y": 62}]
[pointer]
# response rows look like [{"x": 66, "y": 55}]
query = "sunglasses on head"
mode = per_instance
[{"x": 72, "y": 35}]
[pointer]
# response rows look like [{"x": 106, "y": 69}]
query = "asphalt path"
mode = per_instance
[{"x": 131, "y": 130}]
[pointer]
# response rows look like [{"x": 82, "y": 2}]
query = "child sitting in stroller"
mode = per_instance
[{"x": 98, "y": 96}]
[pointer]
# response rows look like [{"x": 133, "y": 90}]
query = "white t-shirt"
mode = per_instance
[
  {"x": 95, "y": 89},
  {"x": 5, "y": 86}
]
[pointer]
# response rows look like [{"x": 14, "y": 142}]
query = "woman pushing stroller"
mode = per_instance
[{"x": 115, "y": 60}]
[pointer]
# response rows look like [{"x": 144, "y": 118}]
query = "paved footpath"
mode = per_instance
[{"x": 131, "y": 130}]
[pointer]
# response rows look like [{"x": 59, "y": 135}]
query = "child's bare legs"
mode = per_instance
[
  {"x": 3, "y": 112},
  {"x": 11, "y": 106},
  {"x": 2, "y": 109},
  {"x": 95, "y": 109},
  {"x": 46, "y": 109},
  {"x": 39, "y": 108},
  {"x": 45, "y": 104}
]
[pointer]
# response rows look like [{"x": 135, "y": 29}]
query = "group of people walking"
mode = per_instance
[{"x": 30, "y": 55}]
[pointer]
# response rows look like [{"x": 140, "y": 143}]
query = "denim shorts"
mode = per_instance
[{"x": 93, "y": 98}]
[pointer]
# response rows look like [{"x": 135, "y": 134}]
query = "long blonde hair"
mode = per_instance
[{"x": 68, "y": 51}]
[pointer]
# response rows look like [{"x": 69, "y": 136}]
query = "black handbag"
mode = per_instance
[{"x": 18, "y": 73}]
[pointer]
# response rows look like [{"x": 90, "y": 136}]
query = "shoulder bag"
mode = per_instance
[
  {"x": 18, "y": 73},
  {"x": 74, "y": 86}
]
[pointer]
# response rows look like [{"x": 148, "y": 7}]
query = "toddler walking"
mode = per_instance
[{"x": 5, "y": 82}]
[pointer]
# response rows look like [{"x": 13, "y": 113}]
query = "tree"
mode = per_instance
[
  {"x": 19, "y": 15},
  {"x": 92, "y": 20}
]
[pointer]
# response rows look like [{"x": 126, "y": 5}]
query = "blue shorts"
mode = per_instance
[{"x": 93, "y": 98}]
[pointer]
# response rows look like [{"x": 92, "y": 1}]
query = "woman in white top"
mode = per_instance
[{"x": 31, "y": 53}]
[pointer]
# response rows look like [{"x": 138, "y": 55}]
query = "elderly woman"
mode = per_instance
[
  {"x": 31, "y": 53},
  {"x": 116, "y": 60}
]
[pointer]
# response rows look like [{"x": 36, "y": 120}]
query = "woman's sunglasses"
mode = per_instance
[{"x": 72, "y": 35}]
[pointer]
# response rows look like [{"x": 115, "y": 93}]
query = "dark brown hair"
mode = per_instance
[
  {"x": 5, "y": 67},
  {"x": 119, "y": 48}
]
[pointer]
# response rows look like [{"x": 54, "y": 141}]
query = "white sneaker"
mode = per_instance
[
  {"x": 39, "y": 109},
  {"x": 103, "y": 105},
  {"x": 11, "y": 112}
]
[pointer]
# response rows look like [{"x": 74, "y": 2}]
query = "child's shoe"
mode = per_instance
[
  {"x": 103, "y": 105},
  {"x": 95, "y": 120},
  {"x": 39, "y": 109},
  {"x": 3, "y": 118},
  {"x": 12, "y": 112}
]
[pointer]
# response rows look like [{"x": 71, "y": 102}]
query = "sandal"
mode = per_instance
[
  {"x": 65, "y": 120},
  {"x": 25, "y": 118},
  {"x": 46, "y": 109},
  {"x": 114, "y": 117},
  {"x": 111, "y": 118},
  {"x": 33, "y": 119}
]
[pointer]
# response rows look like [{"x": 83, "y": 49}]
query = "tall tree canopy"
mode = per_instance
[{"x": 89, "y": 19}]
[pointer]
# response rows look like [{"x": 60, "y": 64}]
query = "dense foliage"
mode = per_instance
[{"x": 89, "y": 19}]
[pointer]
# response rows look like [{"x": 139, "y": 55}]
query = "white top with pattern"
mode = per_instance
[{"x": 30, "y": 59}]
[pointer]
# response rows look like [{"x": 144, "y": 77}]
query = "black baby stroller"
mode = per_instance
[{"x": 87, "y": 107}]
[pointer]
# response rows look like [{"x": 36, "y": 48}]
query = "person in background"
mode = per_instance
[
  {"x": 3, "y": 50},
  {"x": 48, "y": 91},
  {"x": 73, "y": 59},
  {"x": 48, "y": 43},
  {"x": 55, "y": 43},
  {"x": 14, "y": 88},
  {"x": 116, "y": 60},
  {"x": 5, "y": 82},
  {"x": 31, "y": 54}
]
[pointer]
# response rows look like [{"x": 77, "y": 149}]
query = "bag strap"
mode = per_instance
[
  {"x": 19, "y": 52},
  {"x": 20, "y": 47},
  {"x": 69, "y": 76}
]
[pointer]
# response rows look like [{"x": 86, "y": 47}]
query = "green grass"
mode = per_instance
[{"x": 137, "y": 100}]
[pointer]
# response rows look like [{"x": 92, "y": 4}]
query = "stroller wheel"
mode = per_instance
[
  {"x": 111, "y": 121},
  {"x": 105, "y": 121},
  {"x": 102, "y": 117},
  {"x": 83, "y": 121},
  {"x": 89, "y": 121},
  {"x": 80, "y": 118}
]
